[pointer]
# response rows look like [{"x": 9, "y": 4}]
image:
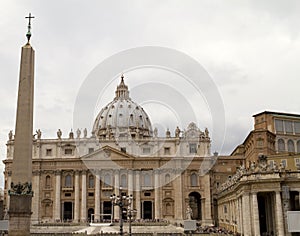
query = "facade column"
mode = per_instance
[
  {"x": 255, "y": 215},
  {"x": 97, "y": 197},
  {"x": 57, "y": 203},
  {"x": 279, "y": 217},
  {"x": 77, "y": 196},
  {"x": 237, "y": 215},
  {"x": 178, "y": 195},
  {"x": 130, "y": 182},
  {"x": 117, "y": 192},
  {"x": 138, "y": 194},
  {"x": 246, "y": 214},
  {"x": 83, "y": 196},
  {"x": 207, "y": 204},
  {"x": 35, "y": 217},
  {"x": 157, "y": 202}
]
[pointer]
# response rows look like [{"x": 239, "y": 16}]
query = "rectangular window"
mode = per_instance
[
  {"x": 167, "y": 151},
  {"x": 193, "y": 148},
  {"x": 91, "y": 194},
  {"x": 48, "y": 152},
  {"x": 271, "y": 163},
  {"x": 279, "y": 126},
  {"x": 284, "y": 163},
  {"x": 288, "y": 126},
  {"x": 91, "y": 150},
  {"x": 68, "y": 151},
  {"x": 146, "y": 150},
  {"x": 297, "y": 162},
  {"x": 68, "y": 194},
  {"x": 297, "y": 127}
]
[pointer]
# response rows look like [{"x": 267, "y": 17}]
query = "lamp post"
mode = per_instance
[
  {"x": 121, "y": 201},
  {"x": 131, "y": 213}
]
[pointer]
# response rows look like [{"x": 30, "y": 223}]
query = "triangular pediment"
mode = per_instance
[{"x": 108, "y": 157}]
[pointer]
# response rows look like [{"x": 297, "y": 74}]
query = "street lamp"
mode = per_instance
[
  {"x": 131, "y": 213},
  {"x": 121, "y": 201}
]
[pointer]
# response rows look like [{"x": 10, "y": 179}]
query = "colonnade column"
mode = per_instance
[
  {"x": 241, "y": 215},
  {"x": 255, "y": 215},
  {"x": 117, "y": 192},
  {"x": 246, "y": 214},
  {"x": 237, "y": 213},
  {"x": 57, "y": 203},
  {"x": 279, "y": 217},
  {"x": 83, "y": 195},
  {"x": 207, "y": 203},
  {"x": 137, "y": 194},
  {"x": 97, "y": 197},
  {"x": 8, "y": 187},
  {"x": 157, "y": 202},
  {"x": 77, "y": 196}
]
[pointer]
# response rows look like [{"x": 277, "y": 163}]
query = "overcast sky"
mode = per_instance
[{"x": 251, "y": 50}]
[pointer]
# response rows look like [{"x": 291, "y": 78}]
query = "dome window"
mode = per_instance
[
  {"x": 112, "y": 107},
  {"x": 137, "y": 108},
  {"x": 109, "y": 116},
  {"x": 120, "y": 115},
  {"x": 121, "y": 106},
  {"x": 129, "y": 106}
]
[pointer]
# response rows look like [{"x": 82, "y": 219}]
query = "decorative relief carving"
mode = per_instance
[{"x": 21, "y": 189}]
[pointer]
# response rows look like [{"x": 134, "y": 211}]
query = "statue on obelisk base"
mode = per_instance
[{"x": 20, "y": 191}]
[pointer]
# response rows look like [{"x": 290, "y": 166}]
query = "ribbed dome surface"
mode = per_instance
[{"x": 122, "y": 117}]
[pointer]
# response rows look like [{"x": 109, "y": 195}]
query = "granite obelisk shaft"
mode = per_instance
[{"x": 20, "y": 189}]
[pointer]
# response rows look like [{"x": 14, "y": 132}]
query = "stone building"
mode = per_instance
[
  {"x": 256, "y": 198},
  {"x": 74, "y": 176}
]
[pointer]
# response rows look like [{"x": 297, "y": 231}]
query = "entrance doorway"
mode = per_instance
[
  {"x": 90, "y": 212},
  {"x": 266, "y": 213},
  {"x": 195, "y": 204},
  {"x": 147, "y": 210},
  {"x": 107, "y": 210},
  {"x": 68, "y": 211}
]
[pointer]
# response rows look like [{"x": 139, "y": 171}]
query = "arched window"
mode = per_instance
[
  {"x": 123, "y": 180},
  {"x": 281, "y": 145},
  {"x": 48, "y": 181},
  {"x": 147, "y": 180},
  {"x": 291, "y": 146},
  {"x": 107, "y": 180},
  {"x": 167, "y": 179},
  {"x": 91, "y": 181},
  {"x": 194, "y": 181},
  {"x": 68, "y": 180},
  {"x": 298, "y": 146}
]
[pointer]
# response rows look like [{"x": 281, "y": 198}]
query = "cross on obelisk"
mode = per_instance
[
  {"x": 28, "y": 35},
  {"x": 20, "y": 192}
]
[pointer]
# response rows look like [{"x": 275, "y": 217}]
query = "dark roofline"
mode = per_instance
[{"x": 277, "y": 113}]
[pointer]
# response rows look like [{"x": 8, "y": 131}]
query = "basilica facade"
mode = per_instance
[{"x": 75, "y": 176}]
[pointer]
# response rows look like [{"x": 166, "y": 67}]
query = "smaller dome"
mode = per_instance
[{"x": 122, "y": 117}]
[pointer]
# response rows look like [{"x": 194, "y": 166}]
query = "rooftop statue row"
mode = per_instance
[{"x": 262, "y": 167}]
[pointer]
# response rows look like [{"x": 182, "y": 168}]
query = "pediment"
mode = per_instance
[{"x": 108, "y": 157}]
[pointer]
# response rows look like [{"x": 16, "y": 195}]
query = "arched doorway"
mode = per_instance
[{"x": 195, "y": 204}]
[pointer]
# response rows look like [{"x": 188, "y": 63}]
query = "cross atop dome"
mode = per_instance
[{"x": 122, "y": 90}]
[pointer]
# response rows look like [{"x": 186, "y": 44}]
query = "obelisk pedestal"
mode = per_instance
[{"x": 21, "y": 190}]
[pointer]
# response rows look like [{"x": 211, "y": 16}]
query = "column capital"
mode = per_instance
[
  {"x": 58, "y": 172},
  {"x": 36, "y": 172},
  {"x": 77, "y": 172}
]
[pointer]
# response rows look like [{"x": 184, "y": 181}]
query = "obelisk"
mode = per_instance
[{"x": 20, "y": 190}]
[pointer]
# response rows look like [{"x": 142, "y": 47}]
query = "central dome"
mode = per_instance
[{"x": 122, "y": 118}]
